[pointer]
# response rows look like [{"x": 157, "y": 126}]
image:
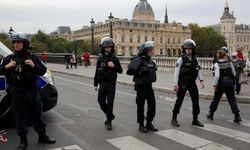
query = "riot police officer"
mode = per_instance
[
  {"x": 21, "y": 70},
  {"x": 224, "y": 81},
  {"x": 186, "y": 72},
  {"x": 144, "y": 70},
  {"x": 107, "y": 67}
]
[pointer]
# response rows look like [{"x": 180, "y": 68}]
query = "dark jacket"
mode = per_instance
[
  {"x": 22, "y": 76},
  {"x": 104, "y": 73},
  {"x": 143, "y": 69}
]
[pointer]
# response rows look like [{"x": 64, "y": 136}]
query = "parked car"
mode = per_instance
[{"x": 47, "y": 90}]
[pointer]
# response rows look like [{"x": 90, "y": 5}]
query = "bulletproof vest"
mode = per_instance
[
  {"x": 189, "y": 68},
  {"x": 147, "y": 72},
  {"x": 22, "y": 74},
  {"x": 225, "y": 69}
]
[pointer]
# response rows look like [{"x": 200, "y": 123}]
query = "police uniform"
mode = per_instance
[
  {"x": 186, "y": 72},
  {"x": 224, "y": 81},
  {"x": 106, "y": 77},
  {"x": 22, "y": 82},
  {"x": 144, "y": 70}
]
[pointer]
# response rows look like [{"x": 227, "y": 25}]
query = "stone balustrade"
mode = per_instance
[{"x": 163, "y": 63}]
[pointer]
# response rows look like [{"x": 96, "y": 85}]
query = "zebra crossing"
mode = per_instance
[{"x": 190, "y": 140}]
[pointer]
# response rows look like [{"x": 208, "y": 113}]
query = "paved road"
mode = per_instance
[
  {"x": 164, "y": 81},
  {"x": 78, "y": 122}
]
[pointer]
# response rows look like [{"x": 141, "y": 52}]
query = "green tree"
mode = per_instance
[
  {"x": 4, "y": 38},
  {"x": 207, "y": 39}
]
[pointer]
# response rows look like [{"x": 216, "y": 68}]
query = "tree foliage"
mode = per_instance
[{"x": 207, "y": 39}]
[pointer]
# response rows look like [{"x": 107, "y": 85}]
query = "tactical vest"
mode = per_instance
[
  {"x": 225, "y": 70},
  {"x": 149, "y": 75},
  {"x": 189, "y": 69},
  {"x": 23, "y": 75}
]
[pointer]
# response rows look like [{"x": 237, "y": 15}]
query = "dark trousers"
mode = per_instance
[
  {"x": 24, "y": 104},
  {"x": 145, "y": 92},
  {"x": 226, "y": 86},
  {"x": 193, "y": 91},
  {"x": 238, "y": 88},
  {"x": 106, "y": 96},
  {"x": 71, "y": 64}
]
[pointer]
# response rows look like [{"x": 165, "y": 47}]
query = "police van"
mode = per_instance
[{"x": 47, "y": 90}]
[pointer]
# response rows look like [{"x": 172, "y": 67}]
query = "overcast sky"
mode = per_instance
[{"x": 30, "y": 15}]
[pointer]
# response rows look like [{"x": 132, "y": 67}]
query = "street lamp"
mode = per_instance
[
  {"x": 11, "y": 31},
  {"x": 110, "y": 21},
  {"x": 92, "y": 22}
]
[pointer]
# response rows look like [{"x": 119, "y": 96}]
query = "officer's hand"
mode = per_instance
[
  {"x": 96, "y": 88},
  {"x": 111, "y": 64},
  {"x": 202, "y": 84},
  {"x": 176, "y": 88},
  {"x": 30, "y": 62},
  {"x": 10, "y": 65}
]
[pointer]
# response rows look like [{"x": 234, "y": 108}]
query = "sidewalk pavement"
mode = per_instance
[{"x": 164, "y": 81}]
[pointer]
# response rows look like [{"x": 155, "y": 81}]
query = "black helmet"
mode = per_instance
[
  {"x": 20, "y": 37},
  {"x": 107, "y": 42},
  {"x": 224, "y": 48},
  {"x": 188, "y": 44},
  {"x": 145, "y": 46}
]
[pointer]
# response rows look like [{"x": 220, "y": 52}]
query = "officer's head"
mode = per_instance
[
  {"x": 188, "y": 47},
  {"x": 224, "y": 48},
  {"x": 147, "y": 49},
  {"x": 221, "y": 54},
  {"x": 107, "y": 45},
  {"x": 20, "y": 41}
]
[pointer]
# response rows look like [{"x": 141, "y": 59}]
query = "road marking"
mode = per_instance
[
  {"x": 72, "y": 147},
  {"x": 238, "y": 135},
  {"x": 130, "y": 143},
  {"x": 192, "y": 141},
  {"x": 243, "y": 122}
]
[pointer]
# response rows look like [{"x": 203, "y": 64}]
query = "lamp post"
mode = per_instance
[
  {"x": 111, "y": 25},
  {"x": 11, "y": 31},
  {"x": 92, "y": 22}
]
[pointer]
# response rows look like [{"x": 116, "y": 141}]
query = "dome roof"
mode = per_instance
[{"x": 143, "y": 12}]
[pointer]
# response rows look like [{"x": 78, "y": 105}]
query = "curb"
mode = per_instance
[{"x": 205, "y": 96}]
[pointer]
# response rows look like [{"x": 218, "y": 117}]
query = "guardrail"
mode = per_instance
[{"x": 163, "y": 63}]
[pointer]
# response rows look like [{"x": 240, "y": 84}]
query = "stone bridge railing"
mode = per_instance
[{"x": 163, "y": 63}]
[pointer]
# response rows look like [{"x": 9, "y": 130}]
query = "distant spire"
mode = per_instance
[
  {"x": 166, "y": 14},
  {"x": 227, "y": 6}
]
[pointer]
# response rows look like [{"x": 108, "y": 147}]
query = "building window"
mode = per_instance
[
  {"x": 123, "y": 39},
  {"x": 161, "y": 40},
  {"x": 131, "y": 39},
  {"x": 131, "y": 50},
  {"x": 173, "y": 40},
  {"x": 146, "y": 39},
  {"x": 174, "y": 52},
  {"x": 139, "y": 39},
  {"x": 168, "y": 41},
  {"x": 123, "y": 50},
  {"x": 161, "y": 51},
  {"x": 153, "y": 39}
]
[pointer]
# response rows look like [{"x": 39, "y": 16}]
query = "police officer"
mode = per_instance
[
  {"x": 107, "y": 67},
  {"x": 215, "y": 60},
  {"x": 144, "y": 71},
  {"x": 224, "y": 82},
  {"x": 186, "y": 72},
  {"x": 21, "y": 70}
]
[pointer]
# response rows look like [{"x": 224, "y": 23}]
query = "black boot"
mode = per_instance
[
  {"x": 196, "y": 122},
  {"x": 237, "y": 118},
  {"x": 23, "y": 143},
  {"x": 43, "y": 138},
  {"x": 108, "y": 125},
  {"x": 174, "y": 121},
  {"x": 210, "y": 115},
  {"x": 142, "y": 128},
  {"x": 151, "y": 127}
]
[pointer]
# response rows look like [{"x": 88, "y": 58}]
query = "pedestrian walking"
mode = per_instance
[
  {"x": 224, "y": 82},
  {"x": 144, "y": 70},
  {"x": 73, "y": 60},
  {"x": 186, "y": 72},
  {"x": 67, "y": 60},
  {"x": 107, "y": 67}
]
